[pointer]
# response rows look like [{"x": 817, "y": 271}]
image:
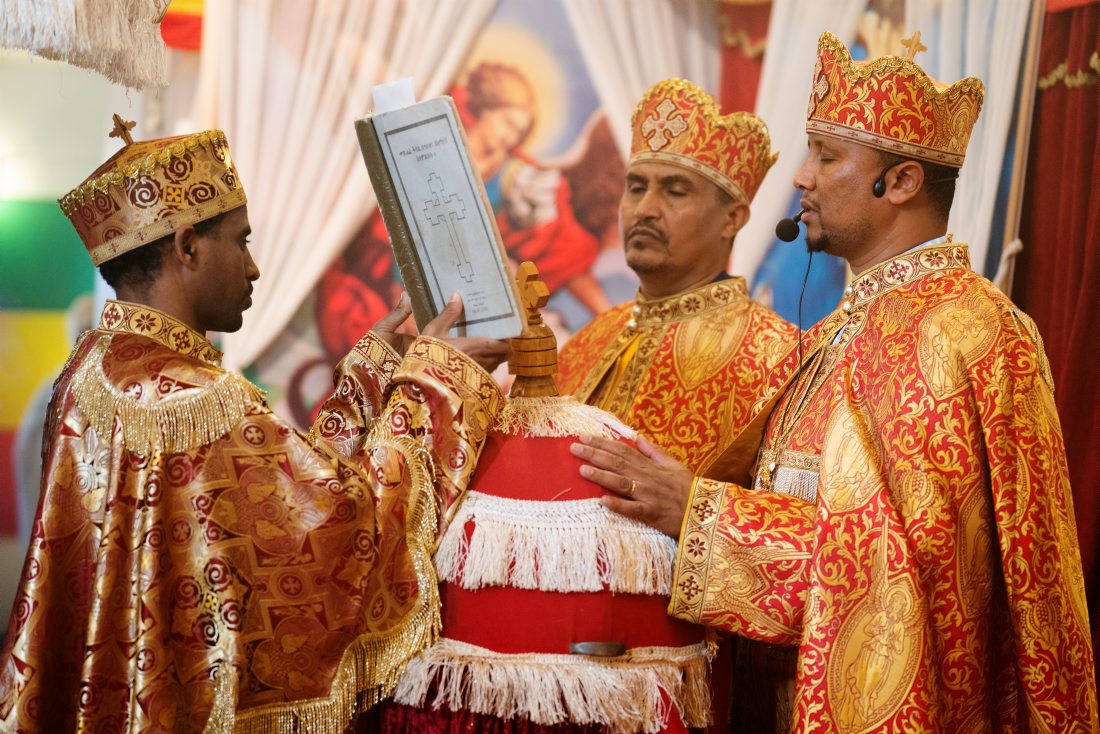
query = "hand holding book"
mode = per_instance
[
  {"x": 438, "y": 218},
  {"x": 489, "y": 353}
]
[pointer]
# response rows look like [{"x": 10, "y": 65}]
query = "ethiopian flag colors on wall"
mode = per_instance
[
  {"x": 182, "y": 25},
  {"x": 44, "y": 269}
]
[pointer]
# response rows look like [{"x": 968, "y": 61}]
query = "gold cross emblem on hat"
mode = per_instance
[
  {"x": 913, "y": 46},
  {"x": 122, "y": 129},
  {"x": 661, "y": 128}
]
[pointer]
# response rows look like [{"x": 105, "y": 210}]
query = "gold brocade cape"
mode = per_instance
[
  {"x": 688, "y": 371},
  {"x": 911, "y": 528},
  {"x": 198, "y": 564}
]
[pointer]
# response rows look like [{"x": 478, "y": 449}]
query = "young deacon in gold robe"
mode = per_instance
[
  {"x": 692, "y": 360},
  {"x": 910, "y": 525},
  {"x": 197, "y": 563}
]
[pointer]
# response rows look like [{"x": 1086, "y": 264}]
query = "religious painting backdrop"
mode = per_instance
[{"x": 542, "y": 144}]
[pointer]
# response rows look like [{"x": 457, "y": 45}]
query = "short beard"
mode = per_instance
[
  {"x": 643, "y": 266},
  {"x": 820, "y": 244}
]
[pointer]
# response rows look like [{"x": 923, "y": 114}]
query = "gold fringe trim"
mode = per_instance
[
  {"x": 558, "y": 417},
  {"x": 563, "y": 546},
  {"x": 1079, "y": 78},
  {"x": 176, "y": 423},
  {"x": 372, "y": 666},
  {"x": 622, "y": 693}
]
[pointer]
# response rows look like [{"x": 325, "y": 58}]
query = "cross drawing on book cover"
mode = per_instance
[{"x": 443, "y": 210}]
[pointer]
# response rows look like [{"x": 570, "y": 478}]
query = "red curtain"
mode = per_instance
[
  {"x": 1058, "y": 277},
  {"x": 743, "y": 30}
]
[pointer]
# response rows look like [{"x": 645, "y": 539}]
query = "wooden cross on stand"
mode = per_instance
[
  {"x": 534, "y": 357},
  {"x": 532, "y": 291},
  {"x": 122, "y": 129}
]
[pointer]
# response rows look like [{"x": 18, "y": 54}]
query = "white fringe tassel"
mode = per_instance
[
  {"x": 622, "y": 693},
  {"x": 120, "y": 39},
  {"x": 574, "y": 545},
  {"x": 556, "y": 417}
]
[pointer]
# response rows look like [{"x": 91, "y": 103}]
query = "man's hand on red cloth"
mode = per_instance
[{"x": 649, "y": 485}]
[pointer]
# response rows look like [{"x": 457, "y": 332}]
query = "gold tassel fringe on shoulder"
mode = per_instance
[{"x": 176, "y": 423}]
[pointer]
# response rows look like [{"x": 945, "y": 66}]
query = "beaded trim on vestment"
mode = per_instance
[
  {"x": 720, "y": 294},
  {"x": 905, "y": 268},
  {"x": 123, "y": 317}
]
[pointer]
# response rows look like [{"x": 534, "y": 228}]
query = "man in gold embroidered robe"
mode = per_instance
[
  {"x": 910, "y": 524},
  {"x": 690, "y": 363},
  {"x": 197, "y": 563},
  {"x": 691, "y": 360}
]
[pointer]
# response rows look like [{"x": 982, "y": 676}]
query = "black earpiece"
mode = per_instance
[{"x": 878, "y": 188}]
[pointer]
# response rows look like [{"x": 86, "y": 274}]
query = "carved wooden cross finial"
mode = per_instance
[
  {"x": 532, "y": 291},
  {"x": 534, "y": 357},
  {"x": 122, "y": 129},
  {"x": 913, "y": 46}
]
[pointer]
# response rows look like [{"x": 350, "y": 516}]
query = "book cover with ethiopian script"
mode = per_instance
[{"x": 438, "y": 217}]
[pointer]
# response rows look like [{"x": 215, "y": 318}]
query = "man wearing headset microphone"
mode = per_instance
[{"x": 909, "y": 525}]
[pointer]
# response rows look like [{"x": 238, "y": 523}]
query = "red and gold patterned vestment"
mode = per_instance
[
  {"x": 198, "y": 564},
  {"x": 688, "y": 371},
  {"x": 910, "y": 526}
]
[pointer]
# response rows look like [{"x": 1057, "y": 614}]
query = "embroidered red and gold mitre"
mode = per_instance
[
  {"x": 149, "y": 189},
  {"x": 891, "y": 104},
  {"x": 677, "y": 122}
]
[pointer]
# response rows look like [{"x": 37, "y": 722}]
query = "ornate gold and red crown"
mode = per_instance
[
  {"x": 149, "y": 189},
  {"x": 678, "y": 123},
  {"x": 891, "y": 104}
]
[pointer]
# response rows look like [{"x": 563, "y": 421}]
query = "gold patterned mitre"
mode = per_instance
[
  {"x": 891, "y": 104},
  {"x": 151, "y": 188},
  {"x": 677, "y": 122}
]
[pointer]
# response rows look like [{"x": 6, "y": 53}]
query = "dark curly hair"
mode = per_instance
[{"x": 139, "y": 268}]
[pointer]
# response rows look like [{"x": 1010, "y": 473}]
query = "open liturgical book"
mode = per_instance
[{"x": 440, "y": 224}]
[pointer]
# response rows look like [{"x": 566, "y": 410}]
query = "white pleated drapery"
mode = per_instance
[
  {"x": 785, "y": 82},
  {"x": 630, "y": 45},
  {"x": 286, "y": 80},
  {"x": 985, "y": 39}
]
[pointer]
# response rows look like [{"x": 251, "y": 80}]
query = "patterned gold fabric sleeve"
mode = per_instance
[
  {"x": 360, "y": 381},
  {"x": 1036, "y": 531},
  {"x": 457, "y": 428},
  {"x": 257, "y": 582},
  {"x": 743, "y": 562}
]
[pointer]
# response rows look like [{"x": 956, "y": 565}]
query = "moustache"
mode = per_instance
[{"x": 645, "y": 230}]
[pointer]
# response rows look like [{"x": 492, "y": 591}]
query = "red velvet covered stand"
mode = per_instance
[
  {"x": 553, "y": 607},
  {"x": 532, "y": 565}
]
